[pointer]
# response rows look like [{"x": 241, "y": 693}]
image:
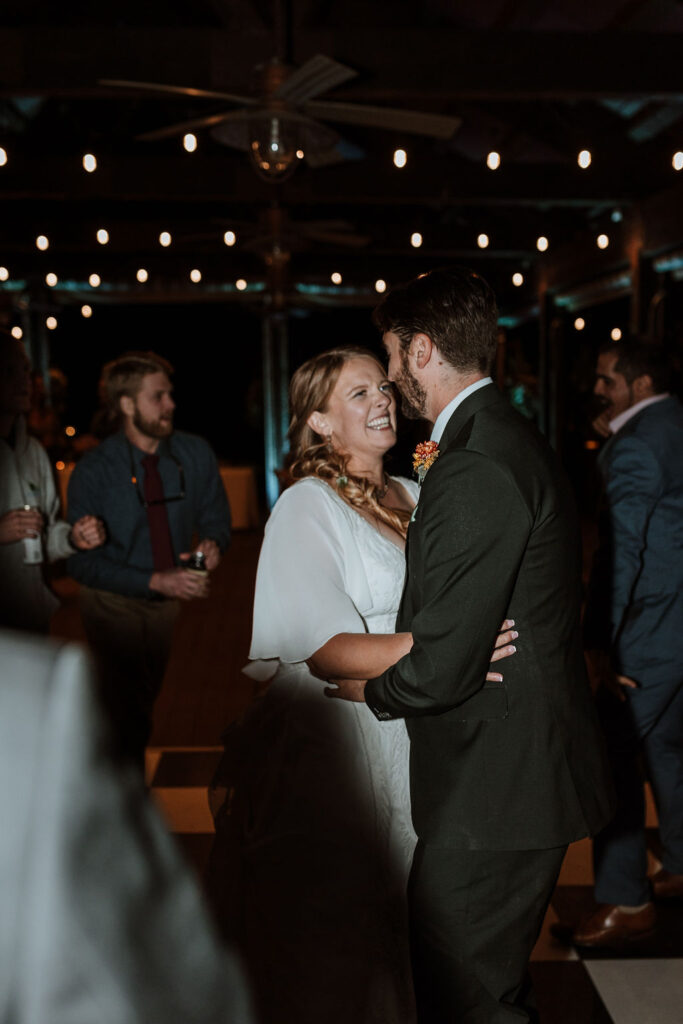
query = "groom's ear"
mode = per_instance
[
  {"x": 422, "y": 349},
  {"x": 317, "y": 422}
]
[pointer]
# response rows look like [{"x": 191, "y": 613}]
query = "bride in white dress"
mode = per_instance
[{"x": 314, "y": 839}]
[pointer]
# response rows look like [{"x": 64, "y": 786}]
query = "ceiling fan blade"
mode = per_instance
[
  {"x": 438, "y": 126},
  {"x": 316, "y": 76},
  {"x": 180, "y": 90},
  {"x": 196, "y": 122}
]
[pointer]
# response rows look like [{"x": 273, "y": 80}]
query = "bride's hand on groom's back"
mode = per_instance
[{"x": 503, "y": 648}]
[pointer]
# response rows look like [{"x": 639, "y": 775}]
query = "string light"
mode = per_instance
[
  {"x": 300, "y": 154},
  {"x": 615, "y": 334},
  {"x": 4, "y": 273},
  {"x": 165, "y": 239},
  {"x": 51, "y": 280},
  {"x": 17, "y": 332},
  {"x": 51, "y": 323},
  {"x": 602, "y": 241},
  {"x": 518, "y": 279},
  {"x": 89, "y": 163},
  {"x": 483, "y": 241},
  {"x": 190, "y": 142},
  {"x": 3, "y": 157},
  {"x": 400, "y": 158},
  {"x": 229, "y": 237},
  {"x": 493, "y": 161},
  {"x": 380, "y": 285},
  {"x": 584, "y": 159},
  {"x": 196, "y": 276},
  {"x": 103, "y": 236},
  {"x": 86, "y": 311},
  {"x": 579, "y": 323},
  {"x": 142, "y": 275},
  {"x": 240, "y": 284},
  {"x": 60, "y": 466},
  {"x": 542, "y": 243},
  {"x": 336, "y": 277},
  {"x": 677, "y": 161},
  {"x": 70, "y": 431},
  {"x": 416, "y": 239},
  {"x": 94, "y": 280},
  {"x": 42, "y": 242}
]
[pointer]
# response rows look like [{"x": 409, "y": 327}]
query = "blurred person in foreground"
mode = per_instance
[
  {"x": 154, "y": 488},
  {"x": 30, "y": 527},
  {"x": 633, "y": 632},
  {"x": 100, "y": 921}
]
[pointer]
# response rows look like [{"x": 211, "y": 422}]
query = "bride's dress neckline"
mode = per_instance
[{"x": 359, "y": 515}]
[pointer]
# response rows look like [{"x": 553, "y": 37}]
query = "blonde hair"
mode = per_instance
[{"x": 309, "y": 391}]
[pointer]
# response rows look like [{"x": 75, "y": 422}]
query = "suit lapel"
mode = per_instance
[{"x": 474, "y": 403}]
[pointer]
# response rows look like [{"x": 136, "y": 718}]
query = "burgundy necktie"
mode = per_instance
[{"x": 157, "y": 517}]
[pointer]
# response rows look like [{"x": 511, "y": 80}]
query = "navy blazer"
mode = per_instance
[{"x": 635, "y": 600}]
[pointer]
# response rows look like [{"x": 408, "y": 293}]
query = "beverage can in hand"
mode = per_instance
[
  {"x": 33, "y": 544},
  {"x": 196, "y": 564}
]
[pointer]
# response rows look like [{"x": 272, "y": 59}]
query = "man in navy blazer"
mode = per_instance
[{"x": 633, "y": 631}]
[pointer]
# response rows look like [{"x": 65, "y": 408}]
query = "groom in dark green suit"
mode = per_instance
[{"x": 503, "y": 775}]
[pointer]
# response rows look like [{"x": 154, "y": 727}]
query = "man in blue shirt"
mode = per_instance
[{"x": 154, "y": 489}]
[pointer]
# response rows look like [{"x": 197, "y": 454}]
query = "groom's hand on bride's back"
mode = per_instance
[
  {"x": 503, "y": 648},
  {"x": 347, "y": 689}
]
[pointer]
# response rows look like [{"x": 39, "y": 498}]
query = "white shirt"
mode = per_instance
[
  {"x": 618, "y": 422},
  {"x": 446, "y": 413}
]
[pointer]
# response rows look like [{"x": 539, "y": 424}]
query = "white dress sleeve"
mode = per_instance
[{"x": 307, "y": 571}]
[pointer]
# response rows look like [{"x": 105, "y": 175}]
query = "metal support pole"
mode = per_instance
[{"x": 275, "y": 404}]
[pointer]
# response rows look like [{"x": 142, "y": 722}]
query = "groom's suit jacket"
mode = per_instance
[{"x": 498, "y": 766}]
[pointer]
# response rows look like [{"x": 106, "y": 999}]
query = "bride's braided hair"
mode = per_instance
[{"x": 310, "y": 390}]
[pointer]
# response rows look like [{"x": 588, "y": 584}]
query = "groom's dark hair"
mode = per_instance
[{"x": 454, "y": 306}]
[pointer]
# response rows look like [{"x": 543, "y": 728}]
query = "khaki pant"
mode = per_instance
[{"x": 130, "y": 638}]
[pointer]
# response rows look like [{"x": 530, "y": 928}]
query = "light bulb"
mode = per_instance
[
  {"x": 17, "y": 332},
  {"x": 542, "y": 243},
  {"x": 584, "y": 158},
  {"x": 416, "y": 239},
  {"x": 86, "y": 311},
  {"x": 4, "y": 273},
  {"x": 190, "y": 142},
  {"x": 483, "y": 241},
  {"x": 103, "y": 236},
  {"x": 196, "y": 276},
  {"x": 240, "y": 284},
  {"x": 229, "y": 237},
  {"x": 336, "y": 277},
  {"x": 518, "y": 280},
  {"x": 300, "y": 154},
  {"x": 51, "y": 323},
  {"x": 70, "y": 431},
  {"x": 42, "y": 242},
  {"x": 579, "y": 323},
  {"x": 3, "y": 157},
  {"x": 94, "y": 280},
  {"x": 142, "y": 275},
  {"x": 89, "y": 163},
  {"x": 615, "y": 334},
  {"x": 51, "y": 280},
  {"x": 677, "y": 161},
  {"x": 400, "y": 158},
  {"x": 380, "y": 285},
  {"x": 602, "y": 241},
  {"x": 165, "y": 239},
  {"x": 493, "y": 161}
]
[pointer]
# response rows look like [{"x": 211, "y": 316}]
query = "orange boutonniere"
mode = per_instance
[{"x": 424, "y": 456}]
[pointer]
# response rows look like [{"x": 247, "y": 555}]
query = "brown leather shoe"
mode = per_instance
[
  {"x": 666, "y": 885},
  {"x": 610, "y": 926}
]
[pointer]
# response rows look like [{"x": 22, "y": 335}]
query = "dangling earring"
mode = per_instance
[{"x": 328, "y": 440}]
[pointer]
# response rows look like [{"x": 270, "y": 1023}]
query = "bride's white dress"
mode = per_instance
[{"x": 317, "y": 818}]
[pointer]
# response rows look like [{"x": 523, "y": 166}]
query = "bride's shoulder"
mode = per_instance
[
  {"x": 306, "y": 497},
  {"x": 410, "y": 486}
]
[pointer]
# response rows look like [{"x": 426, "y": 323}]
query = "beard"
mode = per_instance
[
  {"x": 152, "y": 428},
  {"x": 413, "y": 395}
]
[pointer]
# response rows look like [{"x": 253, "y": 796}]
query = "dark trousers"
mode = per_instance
[
  {"x": 130, "y": 638},
  {"x": 475, "y": 917},
  {"x": 644, "y": 733}
]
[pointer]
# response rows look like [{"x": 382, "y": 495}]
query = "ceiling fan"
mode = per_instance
[{"x": 283, "y": 123}]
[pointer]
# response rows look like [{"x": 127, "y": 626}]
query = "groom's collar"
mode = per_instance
[
  {"x": 447, "y": 412},
  {"x": 474, "y": 402}
]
